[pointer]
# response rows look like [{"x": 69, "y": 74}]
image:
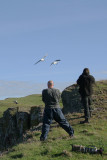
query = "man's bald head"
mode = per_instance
[{"x": 50, "y": 84}]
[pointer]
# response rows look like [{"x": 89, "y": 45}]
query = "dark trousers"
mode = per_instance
[
  {"x": 86, "y": 101},
  {"x": 57, "y": 115}
]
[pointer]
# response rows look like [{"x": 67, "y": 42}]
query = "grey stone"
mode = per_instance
[
  {"x": 71, "y": 99},
  {"x": 14, "y": 124}
]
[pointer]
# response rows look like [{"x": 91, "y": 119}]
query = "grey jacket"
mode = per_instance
[{"x": 51, "y": 97}]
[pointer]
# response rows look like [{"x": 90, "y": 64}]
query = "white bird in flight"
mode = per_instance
[
  {"x": 42, "y": 59},
  {"x": 55, "y": 62}
]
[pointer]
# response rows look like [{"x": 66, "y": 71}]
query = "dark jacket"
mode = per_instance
[
  {"x": 51, "y": 97},
  {"x": 85, "y": 83}
]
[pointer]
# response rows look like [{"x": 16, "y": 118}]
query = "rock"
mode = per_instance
[
  {"x": 36, "y": 114},
  {"x": 8, "y": 132},
  {"x": 23, "y": 123},
  {"x": 71, "y": 99},
  {"x": 13, "y": 125}
]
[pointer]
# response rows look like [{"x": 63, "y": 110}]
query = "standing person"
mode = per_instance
[
  {"x": 85, "y": 82},
  {"x": 51, "y": 98}
]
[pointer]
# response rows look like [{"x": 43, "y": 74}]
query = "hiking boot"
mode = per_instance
[
  {"x": 85, "y": 121},
  {"x": 72, "y": 134},
  {"x": 42, "y": 139}
]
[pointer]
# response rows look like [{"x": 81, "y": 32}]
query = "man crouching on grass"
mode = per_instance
[{"x": 51, "y": 98}]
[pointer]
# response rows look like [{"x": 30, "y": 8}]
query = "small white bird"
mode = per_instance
[
  {"x": 55, "y": 62},
  {"x": 15, "y": 102},
  {"x": 42, "y": 59}
]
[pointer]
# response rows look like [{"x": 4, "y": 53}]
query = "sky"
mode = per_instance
[{"x": 74, "y": 31}]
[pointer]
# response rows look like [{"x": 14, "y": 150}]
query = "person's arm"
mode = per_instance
[
  {"x": 92, "y": 80},
  {"x": 59, "y": 95},
  {"x": 43, "y": 98},
  {"x": 79, "y": 80}
]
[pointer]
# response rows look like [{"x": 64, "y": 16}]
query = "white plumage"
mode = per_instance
[
  {"x": 42, "y": 59},
  {"x": 55, "y": 62}
]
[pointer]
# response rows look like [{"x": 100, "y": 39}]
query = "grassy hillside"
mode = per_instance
[
  {"x": 24, "y": 103},
  {"x": 59, "y": 144}
]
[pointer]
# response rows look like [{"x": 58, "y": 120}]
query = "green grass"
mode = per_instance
[
  {"x": 24, "y": 103},
  {"x": 59, "y": 145}
]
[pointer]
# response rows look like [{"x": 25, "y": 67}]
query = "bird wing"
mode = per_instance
[
  {"x": 38, "y": 61},
  {"x": 58, "y": 60},
  {"x": 55, "y": 62},
  {"x": 52, "y": 63},
  {"x": 41, "y": 59}
]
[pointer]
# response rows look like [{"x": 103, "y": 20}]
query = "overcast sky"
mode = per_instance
[{"x": 74, "y": 31}]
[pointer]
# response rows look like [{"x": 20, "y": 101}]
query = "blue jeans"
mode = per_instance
[{"x": 57, "y": 115}]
